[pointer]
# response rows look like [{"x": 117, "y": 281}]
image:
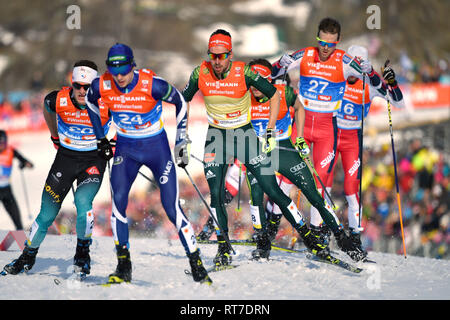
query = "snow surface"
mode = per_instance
[{"x": 159, "y": 264}]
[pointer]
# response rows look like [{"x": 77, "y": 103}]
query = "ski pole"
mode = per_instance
[
  {"x": 199, "y": 160},
  {"x": 209, "y": 210},
  {"x": 238, "y": 209},
  {"x": 149, "y": 179},
  {"x": 26, "y": 194},
  {"x": 361, "y": 150},
  {"x": 391, "y": 130},
  {"x": 312, "y": 169}
]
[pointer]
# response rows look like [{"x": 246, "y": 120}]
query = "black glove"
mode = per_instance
[
  {"x": 55, "y": 141},
  {"x": 24, "y": 164},
  {"x": 104, "y": 149},
  {"x": 389, "y": 74}
]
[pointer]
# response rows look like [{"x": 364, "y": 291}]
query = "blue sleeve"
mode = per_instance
[
  {"x": 162, "y": 90},
  {"x": 93, "y": 109}
]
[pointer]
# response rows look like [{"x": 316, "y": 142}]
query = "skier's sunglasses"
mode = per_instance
[
  {"x": 220, "y": 56},
  {"x": 324, "y": 43},
  {"x": 78, "y": 86}
]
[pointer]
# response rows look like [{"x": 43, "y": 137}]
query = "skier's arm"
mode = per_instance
[
  {"x": 254, "y": 79},
  {"x": 50, "y": 113},
  {"x": 190, "y": 90},
  {"x": 299, "y": 115},
  {"x": 352, "y": 67},
  {"x": 287, "y": 63},
  {"x": 162, "y": 90},
  {"x": 93, "y": 108},
  {"x": 23, "y": 161},
  {"x": 395, "y": 94}
]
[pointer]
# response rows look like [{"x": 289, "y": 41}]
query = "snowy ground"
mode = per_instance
[{"x": 158, "y": 274}]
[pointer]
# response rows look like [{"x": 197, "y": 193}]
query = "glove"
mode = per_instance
[
  {"x": 286, "y": 60},
  {"x": 55, "y": 141},
  {"x": 113, "y": 143},
  {"x": 302, "y": 147},
  {"x": 182, "y": 152},
  {"x": 104, "y": 149},
  {"x": 389, "y": 76},
  {"x": 366, "y": 67},
  {"x": 270, "y": 142},
  {"x": 24, "y": 164}
]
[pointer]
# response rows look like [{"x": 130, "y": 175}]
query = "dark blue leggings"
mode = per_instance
[{"x": 153, "y": 152}]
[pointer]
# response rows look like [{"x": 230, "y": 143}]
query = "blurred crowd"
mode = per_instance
[{"x": 410, "y": 71}]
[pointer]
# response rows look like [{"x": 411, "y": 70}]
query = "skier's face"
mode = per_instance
[
  {"x": 220, "y": 59},
  {"x": 124, "y": 79},
  {"x": 79, "y": 92},
  {"x": 256, "y": 93},
  {"x": 324, "y": 50}
]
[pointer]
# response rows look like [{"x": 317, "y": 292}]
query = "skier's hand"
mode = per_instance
[
  {"x": 389, "y": 76},
  {"x": 25, "y": 164},
  {"x": 104, "y": 149},
  {"x": 113, "y": 143},
  {"x": 55, "y": 141},
  {"x": 366, "y": 67},
  {"x": 183, "y": 152},
  {"x": 286, "y": 60},
  {"x": 302, "y": 147},
  {"x": 269, "y": 143}
]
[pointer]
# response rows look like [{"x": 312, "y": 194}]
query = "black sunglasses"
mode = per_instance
[{"x": 78, "y": 86}]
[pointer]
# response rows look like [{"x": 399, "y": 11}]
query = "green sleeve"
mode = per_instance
[
  {"x": 290, "y": 96},
  {"x": 255, "y": 80},
  {"x": 192, "y": 86}
]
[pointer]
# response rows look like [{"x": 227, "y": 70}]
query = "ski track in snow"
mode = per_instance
[{"x": 158, "y": 274}]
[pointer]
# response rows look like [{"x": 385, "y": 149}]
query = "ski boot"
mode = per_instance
[
  {"x": 199, "y": 272},
  {"x": 355, "y": 237},
  {"x": 263, "y": 245},
  {"x": 123, "y": 269},
  {"x": 22, "y": 264},
  {"x": 347, "y": 245},
  {"x": 223, "y": 256},
  {"x": 207, "y": 230},
  {"x": 313, "y": 242},
  {"x": 322, "y": 232},
  {"x": 82, "y": 260},
  {"x": 273, "y": 224}
]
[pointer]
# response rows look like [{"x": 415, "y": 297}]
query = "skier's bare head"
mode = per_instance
[{"x": 328, "y": 36}]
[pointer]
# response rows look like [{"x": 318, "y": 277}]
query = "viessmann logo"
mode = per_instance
[
  {"x": 219, "y": 84},
  {"x": 124, "y": 99},
  {"x": 319, "y": 65}
]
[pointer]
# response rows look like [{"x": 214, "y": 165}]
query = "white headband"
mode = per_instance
[{"x": 83, "y": 74}]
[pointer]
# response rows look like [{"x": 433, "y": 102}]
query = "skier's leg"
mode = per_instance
[
  {"x": 164, "y": 171},
  {"x": 57, "y": 185},
  {"x": 10, "y": 203}
]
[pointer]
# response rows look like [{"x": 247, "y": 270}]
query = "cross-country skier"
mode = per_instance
[
  {"x": 291, "y": 165},
  {"x": 349, "y": 134},
  {"x": 225, "y": 86},
  {"x": 134, "y": 98},
  {"x": 323, "y": 70},
  {"x": 76, "y": 158},
  {"x": 7, "y": 155}
]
